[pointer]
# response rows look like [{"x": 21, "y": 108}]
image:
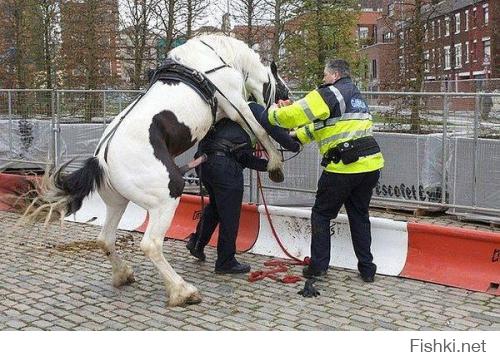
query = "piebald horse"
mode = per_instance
[{"x": 136, "y": 163}]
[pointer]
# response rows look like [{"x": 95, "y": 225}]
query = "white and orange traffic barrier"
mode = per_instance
[
  {"x": 454, "y": 256},
  {"x": 188, "y": 214},
  {"x": 389, "y": 239},
  {"x": 450, "y": 256}
]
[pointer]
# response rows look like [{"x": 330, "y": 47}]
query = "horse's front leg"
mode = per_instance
[
  {"x": 275, "y": 165},
  {"x": 179, "y": 291}
]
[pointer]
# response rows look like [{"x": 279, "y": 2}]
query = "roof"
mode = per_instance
[
  {"x": 447, "y": 7},
  {"x": 368, "y": 17}
]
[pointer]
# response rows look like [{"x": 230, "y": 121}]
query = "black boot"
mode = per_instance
[
  {"x": 195, "y": 248},
  {"x": 232, "y": 267}
]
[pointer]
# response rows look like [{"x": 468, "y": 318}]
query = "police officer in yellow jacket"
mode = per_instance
[{"x": 336, "y": 116}]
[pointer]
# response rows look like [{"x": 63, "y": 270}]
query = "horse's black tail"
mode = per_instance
[
  {"x": 59, "y": 195},
  {"x": 79, "y": 184}
]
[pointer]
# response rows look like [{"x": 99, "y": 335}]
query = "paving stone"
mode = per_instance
[
  {"x": 71, "y": 289},
  {"x": 16, "y": 324}
]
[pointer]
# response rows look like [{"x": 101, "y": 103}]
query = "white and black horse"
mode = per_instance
[{"x": 136, "y": 162}]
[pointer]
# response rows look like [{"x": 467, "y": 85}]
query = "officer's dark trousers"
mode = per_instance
[
  {"x": 355, "y": 192},
  {"x": 222, "y": 177}
]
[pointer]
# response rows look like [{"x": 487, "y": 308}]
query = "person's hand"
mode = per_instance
[{"x": 284, "y": 103}]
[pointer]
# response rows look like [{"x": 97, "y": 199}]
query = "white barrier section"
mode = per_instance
[
  {"x": 93, "y": 211},
  {"x": 293, "y": 226}
]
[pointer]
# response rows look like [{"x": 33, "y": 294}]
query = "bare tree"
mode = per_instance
[
  {"x": 15, "y": 40},
  {"x": 136, "y": 20},
  {"x": 193, "y": 11},
  {"x": 167, "y": 14},
  {"x": 250, "y": 13},
  {"x": 48, "y": 13},
  {"x": 410, "y": 20},
  {"x": 281, "y": 12}
]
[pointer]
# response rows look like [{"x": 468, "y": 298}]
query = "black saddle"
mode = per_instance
[{"x": 171, "y": 70}]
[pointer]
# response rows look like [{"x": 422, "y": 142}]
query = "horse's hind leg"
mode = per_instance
[
  {"x": 180, "y": 292},
  {"x": 115, "y": 207}
]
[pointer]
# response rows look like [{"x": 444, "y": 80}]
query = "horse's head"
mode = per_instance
[
  {"x": 282, "y": 91},
  {"x": 267, "y": 88}
]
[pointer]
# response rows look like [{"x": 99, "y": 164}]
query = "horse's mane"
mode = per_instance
[{"x": 234, "y": 52}]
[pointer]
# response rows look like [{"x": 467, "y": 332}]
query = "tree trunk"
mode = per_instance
[
  {"x": 249, "y": 36},
  {"x": 189, "y": 20},
  {"x": 416, "y": 86},
  {"x": 277, "y": 29},
  {"x": 92, "y": 62},
  {"x": 321, "y": 46}
]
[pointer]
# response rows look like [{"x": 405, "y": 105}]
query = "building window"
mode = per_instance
[
  {"x": 439, "y": 29},
  {"x": 432, "y": 30},
  {"x": 486, "y": 14},
  {"x": 486, "y": 51},
  {"x": 474, "y": 50},
  {"x": 433, "y": 58},
  {"x": 457, "y": 23},
  {"x": 387, "y": 37},
  {"x": 458, "y": 55},
  {"x": 439, "y": 58},
  {"x": 362, "y": 32},
  {"x": 467, "y": 52},
  {"x": 374, "y": 69},
  {"x": 446, "y": 26},
  {"x": 447, "y": 62},
  {"x": 466, "y": 20},
  {"x": 474, "y": 18},
  {"x": 425, "y": 33},
  {"x": 390, "y": 9},
  {"x": 426, "y": 61}
]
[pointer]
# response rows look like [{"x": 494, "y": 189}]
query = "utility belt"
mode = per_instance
[
  {"x": 222, "y": 147},
  {"x": 349, "y": 152}
]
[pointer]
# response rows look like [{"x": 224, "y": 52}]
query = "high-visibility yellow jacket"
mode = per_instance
[{"x": 330, "y": 115}]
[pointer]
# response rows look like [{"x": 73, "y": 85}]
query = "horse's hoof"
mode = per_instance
[
  {"x": 194, "y": 299},
  {"x": 123, "y": 278},
  {"x": 276, "y": 175},
  {"x": 187, "y": 295}
]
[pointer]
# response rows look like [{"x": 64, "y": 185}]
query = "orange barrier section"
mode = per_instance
[
  {"x": 9, "y": 184},
  {"x": 453, "y": 256},
  {"x": 188, "y": 214}
]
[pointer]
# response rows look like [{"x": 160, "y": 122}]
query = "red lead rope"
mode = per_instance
[{"x": 277, "y": 266}]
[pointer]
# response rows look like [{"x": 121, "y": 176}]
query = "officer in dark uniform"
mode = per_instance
[{"x": 229, "y": 150}]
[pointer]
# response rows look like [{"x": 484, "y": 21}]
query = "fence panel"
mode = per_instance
[
  {"x": 442, "y": 150},
  {"x": 26, "y": 122}
]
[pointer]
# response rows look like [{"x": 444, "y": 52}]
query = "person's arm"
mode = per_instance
[
  {"x": 277, "y": 133},
  {"x": 248, "y": 160},
  {"x": 301, "y": 112},
  {"x": 305, "y": 134}
]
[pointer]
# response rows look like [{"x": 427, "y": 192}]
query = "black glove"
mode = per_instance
[{"x": 309, "y": 290}]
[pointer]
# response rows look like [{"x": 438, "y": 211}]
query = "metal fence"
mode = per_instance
[{"x": 442, "y": 150}]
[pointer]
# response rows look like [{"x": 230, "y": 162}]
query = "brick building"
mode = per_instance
[{"x": 460, "y": 42}]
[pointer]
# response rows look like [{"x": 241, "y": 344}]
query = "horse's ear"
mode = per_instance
[{"x": 274, "y": 68}]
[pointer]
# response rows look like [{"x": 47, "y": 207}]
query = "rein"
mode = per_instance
[
  {"x": 268, "y": 103},
  {"x": 113, "y": 131}
]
